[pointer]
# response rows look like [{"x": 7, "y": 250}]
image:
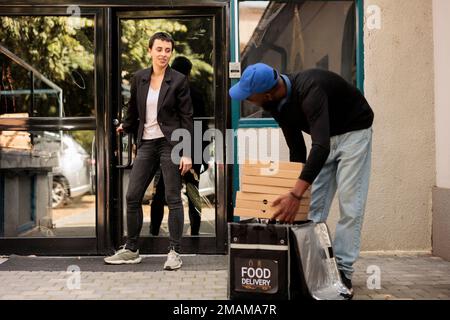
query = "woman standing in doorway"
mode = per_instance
[{"x": 159, "y": 104}]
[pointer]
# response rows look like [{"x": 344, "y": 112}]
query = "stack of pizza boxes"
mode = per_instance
[{"x": 262, "y": 183}]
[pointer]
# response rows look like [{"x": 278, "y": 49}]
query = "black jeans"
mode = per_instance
[
  {"x": 151, "y": 155},
  {"x": 158, "y": 202}
]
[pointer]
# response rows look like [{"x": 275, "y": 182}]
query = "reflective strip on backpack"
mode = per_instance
[{"x": 259, "y": 246}]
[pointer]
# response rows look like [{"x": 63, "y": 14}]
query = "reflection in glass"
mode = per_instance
[
  {"x": 193, "y": 40},
  {"x": 48, "y": 184},
  {"x": 296, "y": 36},
  {"x": 47, "y": 66}
]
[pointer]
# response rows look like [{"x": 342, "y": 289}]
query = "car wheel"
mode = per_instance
[{"x": 59, "y": 194}]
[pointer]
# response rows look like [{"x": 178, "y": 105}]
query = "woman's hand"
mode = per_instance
[{"x": 185, "y": 165}]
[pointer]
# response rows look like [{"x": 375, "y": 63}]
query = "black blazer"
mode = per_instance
[{"x": 174, "y": 104}]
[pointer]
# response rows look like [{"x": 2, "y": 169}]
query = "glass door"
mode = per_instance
[
  {"x": 199, "y": 39},
  {"x": 49, "y": 102}
]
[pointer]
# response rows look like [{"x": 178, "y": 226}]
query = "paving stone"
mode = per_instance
[{"x": 403, "y": 277}]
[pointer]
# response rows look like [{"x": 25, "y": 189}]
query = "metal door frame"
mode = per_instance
[
  {"x": 218, "y": 14},
  {"x": 108, "y": 232},
  {"x": 66, "y": 245}
]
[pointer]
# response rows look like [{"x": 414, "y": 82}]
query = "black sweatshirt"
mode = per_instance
[{"x": 323, "y": 105}]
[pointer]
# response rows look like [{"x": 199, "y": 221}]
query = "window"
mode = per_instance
[
  {"x": 47, "y": 74},
  {"x": 299, "y": 35},
  {"x": 47, "y": 66}
]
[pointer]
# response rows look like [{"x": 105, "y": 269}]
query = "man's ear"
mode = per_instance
[{"x": 268, "y": 96}]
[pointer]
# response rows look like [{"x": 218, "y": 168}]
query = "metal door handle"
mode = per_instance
[
  {"x": 129, "y": 164},
  {"x": 130, "y": 153}
]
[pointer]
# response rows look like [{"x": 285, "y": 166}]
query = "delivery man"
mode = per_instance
[{"x": 339, "y": 120}]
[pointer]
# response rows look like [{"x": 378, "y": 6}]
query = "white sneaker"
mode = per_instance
[
  {"x": 124, "y": 256},
  {"x": 173, "y": 261}
]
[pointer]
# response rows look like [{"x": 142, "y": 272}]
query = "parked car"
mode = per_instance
[{"x": 72, "y": 175}]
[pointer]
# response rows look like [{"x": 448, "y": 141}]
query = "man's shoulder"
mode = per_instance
[
  {"x": 317, "y": 76},
  {"x": 306, "y": 79},
  {"x": 302, "y": 80},
  {"x": 313, "y": 73},
  {"x": 176, "y": 75}
]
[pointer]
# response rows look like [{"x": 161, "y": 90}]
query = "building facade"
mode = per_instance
[{"x": 65, "y": 81}]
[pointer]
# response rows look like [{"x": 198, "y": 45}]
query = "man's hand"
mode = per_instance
[
  {"x": 119, "y": 129},
  {"x": 288, "y": 207},
  {"x": 289, "y": 204},
  {"x": 185, "y": 165}
]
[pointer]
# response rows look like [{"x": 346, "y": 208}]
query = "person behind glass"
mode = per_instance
[
  {"x": 159, "y": 104},
  {"x": 183, "y": 65}
]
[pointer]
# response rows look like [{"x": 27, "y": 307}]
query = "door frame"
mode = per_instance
[
  {"x": 65, "y": 245},
  {"x": 107, "y": 234},
  {"x": 219, "y": 15}
]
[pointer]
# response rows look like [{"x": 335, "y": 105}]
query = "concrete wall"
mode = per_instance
[
  {"x": 441, "y": 194},
  {"x": 18, "y": 205},
  {"x": 441, "y": 19},
  {"x": 441, "y": 223},
  {"x": 11, "y": 206},
  {"x": 399, "y": 85}
]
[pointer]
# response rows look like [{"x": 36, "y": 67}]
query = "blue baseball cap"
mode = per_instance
[{"x": 257, "y": 78}]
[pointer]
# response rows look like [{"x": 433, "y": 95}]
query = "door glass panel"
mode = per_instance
[
  {"x": 47, "y": 66},
  {"x": 193, "y": 40},
  {"x": 48, "y": 184},
  {"x": 47, "y": 178},
  {"x": 299, "y": 35}
]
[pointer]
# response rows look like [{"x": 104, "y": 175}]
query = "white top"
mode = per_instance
[{"x": 151, "y": 126}]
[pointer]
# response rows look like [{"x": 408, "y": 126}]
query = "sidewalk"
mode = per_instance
[{"x": 415, "y": 277}]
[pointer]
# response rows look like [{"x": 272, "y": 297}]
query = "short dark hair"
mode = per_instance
[
  {"x": 161, "y": 36},
  {"x": 182, "y": 64}
]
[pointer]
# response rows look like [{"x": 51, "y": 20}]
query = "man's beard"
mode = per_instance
[{"x": 269, "y": 106}]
